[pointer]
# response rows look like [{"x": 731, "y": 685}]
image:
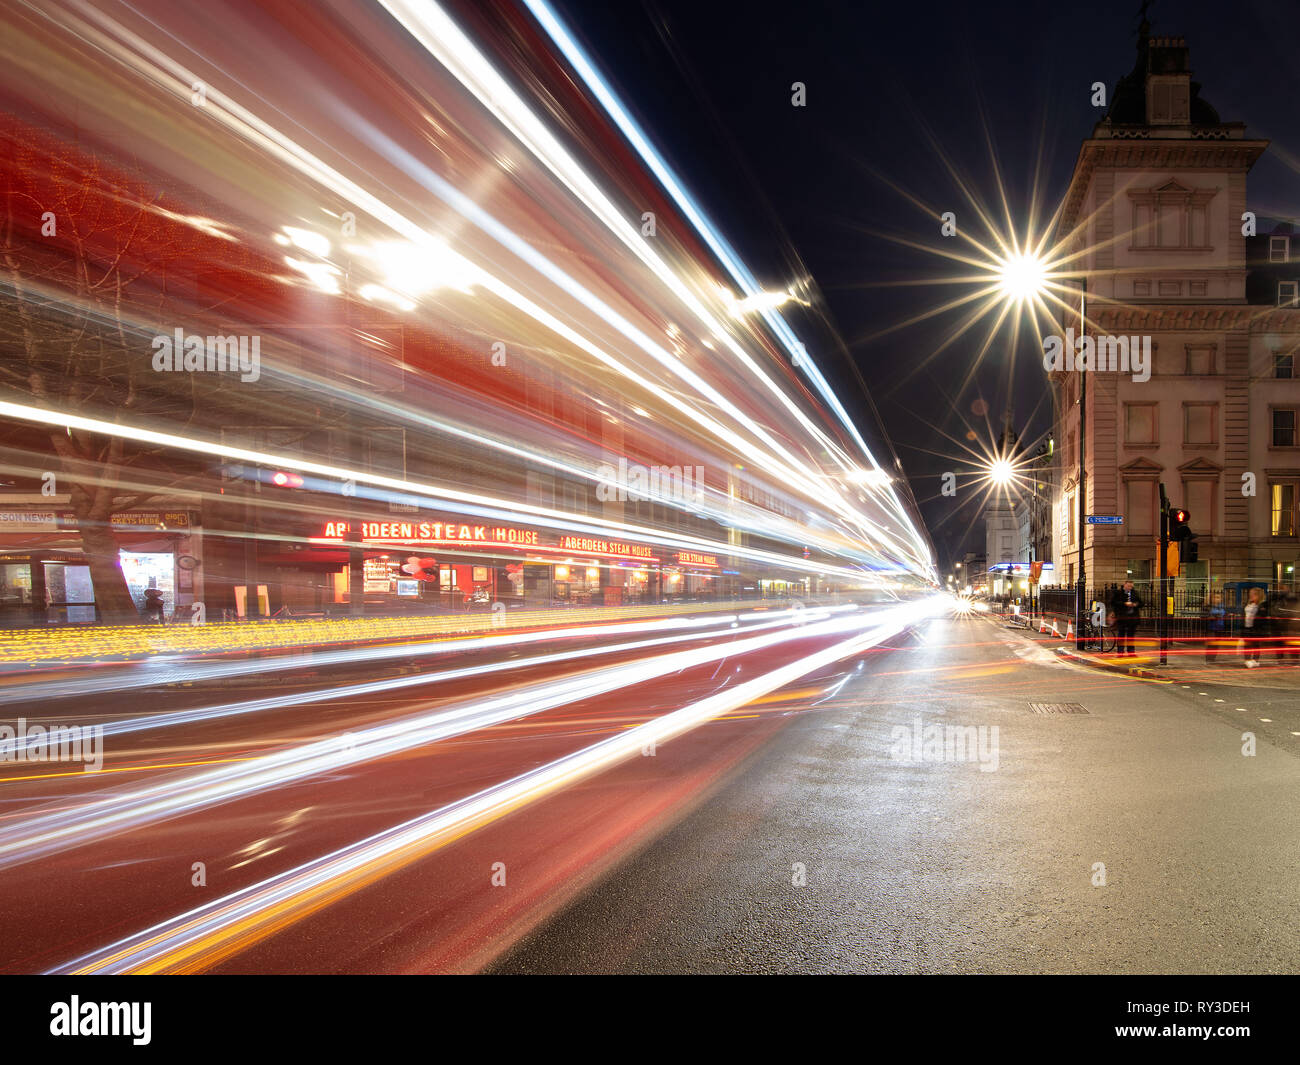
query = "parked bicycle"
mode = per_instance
[{"x": 1092, "y": 638}]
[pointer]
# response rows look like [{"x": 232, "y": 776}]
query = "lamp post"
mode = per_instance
[{"x": 1081, "y": 589}]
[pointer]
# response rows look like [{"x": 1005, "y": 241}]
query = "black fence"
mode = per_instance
[{"x": 1210, "y": 617}]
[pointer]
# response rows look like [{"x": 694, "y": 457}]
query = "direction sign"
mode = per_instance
[{"x": 1105, "y": 519}]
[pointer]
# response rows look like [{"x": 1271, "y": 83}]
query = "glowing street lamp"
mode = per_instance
[
  {"x": 1022, "y": 276},
  {"x": 1002, "y": 472}
]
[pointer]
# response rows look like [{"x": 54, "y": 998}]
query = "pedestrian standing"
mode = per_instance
[
  {"x": 1126, "y": 606},
  {"x": 1255, "y": 625},
  {"x": 154, "y": 606}
]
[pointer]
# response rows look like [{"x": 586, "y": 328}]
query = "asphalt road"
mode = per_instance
[
  {"x": 816, "y": 828},
  {"x": 945, "y": 866}
]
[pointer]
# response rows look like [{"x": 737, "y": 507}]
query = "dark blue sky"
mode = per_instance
[{"x": 794, "y": 188}]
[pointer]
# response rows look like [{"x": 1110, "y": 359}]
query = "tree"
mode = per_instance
[{"x": 86, "y": 254}]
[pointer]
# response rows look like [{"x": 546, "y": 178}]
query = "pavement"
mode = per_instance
[
  {"x": 1184, "y": 661},
  {"x": 1155, "y": 832}
]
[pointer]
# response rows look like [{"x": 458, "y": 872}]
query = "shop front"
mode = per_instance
[
  {"x": 462, "y": 566},
  {"x": 45, "y": 578},
  {"x": 693, "y": 575}
]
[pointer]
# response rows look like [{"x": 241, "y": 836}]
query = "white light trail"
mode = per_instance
[{"x": 224, "y": 925}]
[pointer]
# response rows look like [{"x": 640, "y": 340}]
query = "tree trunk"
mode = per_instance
[{"x": 112, "y": 596}]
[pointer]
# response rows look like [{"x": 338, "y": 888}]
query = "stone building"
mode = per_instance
[{"x": 1157, "y": 213}]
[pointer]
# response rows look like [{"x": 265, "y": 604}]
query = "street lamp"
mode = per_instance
[
  {"x": 1002, "y": 472},
  {"x": 1081, "y": 588}
]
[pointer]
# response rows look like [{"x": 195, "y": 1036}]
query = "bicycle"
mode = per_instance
[{"x": 1092, "y": 638}]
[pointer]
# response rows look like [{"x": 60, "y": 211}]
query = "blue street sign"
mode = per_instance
[{"x": 1105, "y": 519}]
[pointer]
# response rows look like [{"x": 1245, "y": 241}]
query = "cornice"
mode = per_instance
[
  {"x": 1144, "y": 318},
  {"x": 1140, "y": 153}
]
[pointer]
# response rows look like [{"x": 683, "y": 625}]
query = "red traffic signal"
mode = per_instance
[
  {"x": 1179, "y": 516},
  {"x": 286, "y": 480}
]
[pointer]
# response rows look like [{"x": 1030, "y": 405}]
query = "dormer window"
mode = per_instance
[
  {"x": 1169, "y": 100},
  {"x": 1171, "y": 216},
  {"x": 1279, "y": 249}
]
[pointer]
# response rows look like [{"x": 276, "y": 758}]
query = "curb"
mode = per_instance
[
  {"x": 1110, "y": 666},
  {"x": 1094, "y": 662}
]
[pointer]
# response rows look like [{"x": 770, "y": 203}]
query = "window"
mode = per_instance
[
  {"x": 1200, "y": 423},
  {"x": 1200, "y": 359},
  {"x": 1283, "y": 365},
  {"x": 1284, "y": 422},
  {"x": 1170, "y": 216},
  {"x": 1170, "y": 100},
  {"x": 1141, "y": 288},
  {"x": 1140, "y": 507},
  {"x": 1283, "y": 494},
  {"x": 1288, "y": 293},
  {"x": 1069, "y": 448},
  {"x": 1279, "y": 249},
  {"x": 1200, "y": 498},
  {"x": 1139, "y": 424},
  {"x": 1138, "y": 570},
  {"x": 1198, "y": 288}
]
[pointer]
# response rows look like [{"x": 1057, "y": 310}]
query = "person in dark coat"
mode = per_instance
[
  {"x": 153, "y": 606},
  {"x": 1126, "y": 606}
]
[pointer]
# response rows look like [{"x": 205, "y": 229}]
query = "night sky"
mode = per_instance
[{"x": 891, "y": 91}]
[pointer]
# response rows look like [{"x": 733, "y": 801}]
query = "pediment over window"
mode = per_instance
[
  {"x": 1173, "y": 191},
  {"x": 1141, "y": 467},
  {"x": 1200, "y": 465}
]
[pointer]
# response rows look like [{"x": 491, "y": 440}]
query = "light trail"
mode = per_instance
[
  {"x": 152, "y": 63},
  {"x": 175, "y": 718},
  {"x": 469, "y": 502},
  {"x": 78, "y": 824},
  {"x": 203, "y": 936}
]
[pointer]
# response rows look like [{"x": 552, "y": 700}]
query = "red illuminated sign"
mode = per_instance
[
  {"x": 433, "y": 532},
  {"x": 694, "y": 558},
  {"x": 441, "y": 533},
  {"x": 616, "y": 548}
]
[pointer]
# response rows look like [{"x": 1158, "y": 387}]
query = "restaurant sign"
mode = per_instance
[
  {"x": 616, "y": 548},
  {"x": 432, "y": 533}
]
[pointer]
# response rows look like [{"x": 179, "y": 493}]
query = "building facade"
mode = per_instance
[{"x": 1195, "y": 307}]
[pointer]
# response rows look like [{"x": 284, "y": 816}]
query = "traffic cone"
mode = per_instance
[
  {"x": 1055, "y": 630},
  {"x": 1069, "y": 629},
  {"x": 1042, "y": 625}
]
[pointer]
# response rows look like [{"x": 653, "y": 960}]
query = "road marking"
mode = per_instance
[
  {"x": 1218, "y": 700},
  {"x": 1268, "y": 719},
  {"x": 1241, "y": 709}
]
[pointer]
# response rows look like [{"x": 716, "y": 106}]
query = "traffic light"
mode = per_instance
[
  {"x": 1178, "y": 529},
  {"x": 284, "y": 479},
  {"x": 1181, "y": 534}
]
